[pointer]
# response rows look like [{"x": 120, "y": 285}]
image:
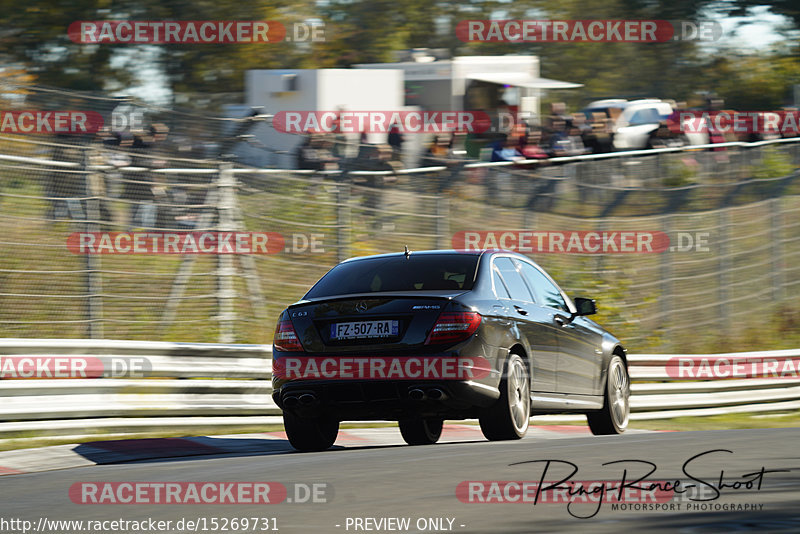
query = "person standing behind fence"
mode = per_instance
[
  {"x": 438, "y": 151},
  {"x": 65, "y": 187},
  {"x": 530, "y": 145},
  {"x": 395, "y": 141},
  {"x": 377, "y": 158},
  {"x": 315, "y": 153},
  {"x": 139, "y": 189}
]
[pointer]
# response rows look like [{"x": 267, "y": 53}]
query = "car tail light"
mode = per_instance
[
  {"x": 285, "y": 337},
  {"x": 454, "y": 327}
]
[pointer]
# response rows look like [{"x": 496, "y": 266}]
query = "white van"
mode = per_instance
[
  {"x": 633, "y": 121},
  {"x": 638, "y": 120}
]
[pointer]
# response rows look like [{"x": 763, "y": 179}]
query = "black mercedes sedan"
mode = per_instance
[{"x": 420, "y": 337}]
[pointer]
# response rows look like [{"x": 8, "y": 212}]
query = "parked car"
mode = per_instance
[
  {"x": 633, "y": 121},
  {"x": 606, "y": 107},
  {"x": 515, "y": 344}
]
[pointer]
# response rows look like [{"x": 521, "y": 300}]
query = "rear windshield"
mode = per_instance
[{"x": 398, "y": 273}]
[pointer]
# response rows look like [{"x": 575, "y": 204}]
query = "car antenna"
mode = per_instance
[{"x": 407, "y": 252}]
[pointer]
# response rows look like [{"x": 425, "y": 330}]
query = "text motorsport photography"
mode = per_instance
[{"x": 638, "y": 488}]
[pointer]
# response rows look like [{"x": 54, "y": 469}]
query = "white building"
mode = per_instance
[
  {"x": 472, "y": 82},
  {"x": 486, "y": 83},
  {"x": 314, "y": 90}
]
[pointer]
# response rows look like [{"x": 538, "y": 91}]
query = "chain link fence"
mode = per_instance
[
  {"x": 731, "y": 212},
  {"x": 723, "y": 264}
]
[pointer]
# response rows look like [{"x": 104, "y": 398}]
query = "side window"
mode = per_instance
[
  {"x": 546, "y": 293},
  {"x": 500, "y": 290},
  {"x": 514, "y": 282},
  {"x": 645, "y": 116}
]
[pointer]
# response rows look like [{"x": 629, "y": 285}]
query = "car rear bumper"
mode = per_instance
[{"x": 384, "y": 399}]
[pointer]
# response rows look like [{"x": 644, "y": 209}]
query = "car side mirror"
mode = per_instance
[{"x": 585, "y": 306}]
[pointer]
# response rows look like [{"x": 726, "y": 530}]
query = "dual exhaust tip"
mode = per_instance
[
  {"x": 306, "y": 399},
  {"x": 434, "y": 394}
]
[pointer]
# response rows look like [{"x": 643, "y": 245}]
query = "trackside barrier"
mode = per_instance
[
  {"x": 661, "y": 389},
  {"x": 206, "y": 386}
]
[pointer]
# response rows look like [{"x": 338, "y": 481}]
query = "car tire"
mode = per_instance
[
  {"x": 421, "y": 431},
  {"x": 509, "y": 417},
  {"x": 613, "y": 418},
  {"x": 309, "y": 434}
]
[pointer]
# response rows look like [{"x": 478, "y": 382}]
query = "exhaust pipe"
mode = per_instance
[
  {"x": 290, "y": 401},
  {"x": 416, "y": 395},
  {"x": 436, "y": 394},
  {"x": 307, "y": 399}
]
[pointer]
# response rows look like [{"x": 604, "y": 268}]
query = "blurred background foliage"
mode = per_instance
[{"x": 33, "y": 37}]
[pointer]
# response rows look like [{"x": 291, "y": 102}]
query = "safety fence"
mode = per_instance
[
  {"x": 733, "y": 245},
  {"x": 162, "y": 386}
]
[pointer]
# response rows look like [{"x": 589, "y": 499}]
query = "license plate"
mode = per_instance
[{"x": 364, "y": 329}]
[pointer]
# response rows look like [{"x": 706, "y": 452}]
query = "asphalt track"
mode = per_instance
[{"x": 380, "y": 481}]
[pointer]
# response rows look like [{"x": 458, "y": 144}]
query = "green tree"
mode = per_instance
[
  {"x": 370, "y": 31},
  {"x": 753, "y": 82},
  {"x": 36, "y": 36}
]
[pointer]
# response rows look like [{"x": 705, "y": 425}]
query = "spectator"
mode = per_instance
[
  {"x": 377, "y": 158},
  {"x": 505, "y": 149},
  {"x": 600, "y": 139},
  {"x": 340, "y": 145},
  {"x": 498, "y": 180},
  {"x": 437, "y": 152},
  {"x": 138, "y": 189},
  {"x": 566, "y": 141},
  {"x": 65, "y": 183},
  {"x": 558, "y": 111},
  {"x": 395, "y": 141},
  {"x": 579, "y": 121},
  {"x": 530, "y": 145},
  {"x": 557, "y": 137},
  {"x": 315, "y": 154},
  {"x": 304, "y": 154},
  {"x": 364, "y": 148},
  {"x": 575, "y": 146}
]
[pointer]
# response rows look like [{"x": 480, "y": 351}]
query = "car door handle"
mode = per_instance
[{"x": 520, "y": 310}]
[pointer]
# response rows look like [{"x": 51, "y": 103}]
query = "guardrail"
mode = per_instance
[
  {"x": 217, "y": 386},
  {"x": 190, "y": 386},
  {"x": 659, "y": 391}
]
